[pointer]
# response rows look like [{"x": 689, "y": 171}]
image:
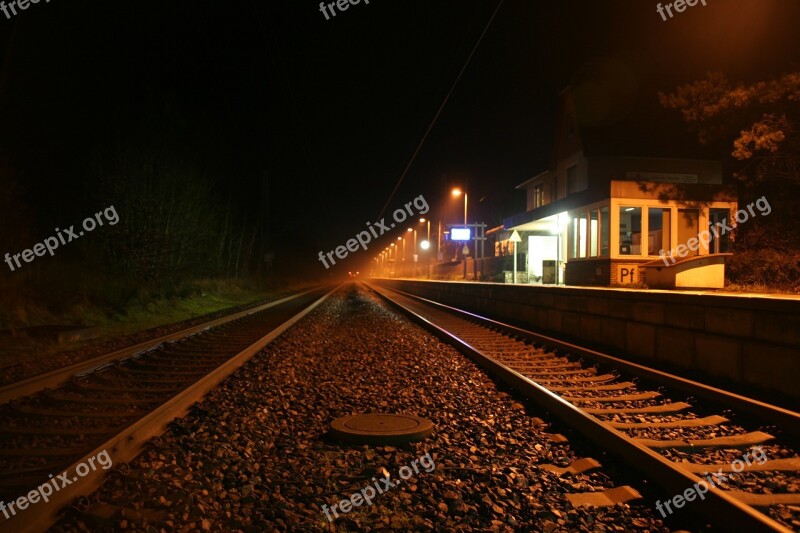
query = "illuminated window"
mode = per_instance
[
  {"x": 658, "y": 230},
  {"x": 578, "y": 237},
  {"x": 573, "y": 238},
  {"x": 538, "y": 195},
  {"x": 688, "y": 228},
  {"x": 630, "y": 230},
  {"x": 594, "y": 227}
]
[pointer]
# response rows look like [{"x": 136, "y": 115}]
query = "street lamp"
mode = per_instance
[
  {"x": 402, "y": 256},
  {"x": 425, "y": 245},
  {"x": 457, "y": 192},
  {"x": 423, "y": 221},
  {"x": 414, "y": 251}
]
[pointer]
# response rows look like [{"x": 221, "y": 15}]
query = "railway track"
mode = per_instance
[
  {"x": 672, "y": 430},
  {"x": 58, "y": 423}
]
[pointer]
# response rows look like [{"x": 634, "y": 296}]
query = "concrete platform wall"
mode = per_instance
[{"x": 749, "y": 340}]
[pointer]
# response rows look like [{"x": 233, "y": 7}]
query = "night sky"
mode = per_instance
[{"x": 329, "y": 112}]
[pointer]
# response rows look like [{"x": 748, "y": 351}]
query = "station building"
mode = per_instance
[{"x": 615, "y": 198}]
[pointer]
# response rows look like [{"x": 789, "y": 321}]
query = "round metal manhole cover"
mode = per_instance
[{"x": 381, "y": 428}]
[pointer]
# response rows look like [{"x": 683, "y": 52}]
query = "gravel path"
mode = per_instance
[{"x": 254, "y": 456}]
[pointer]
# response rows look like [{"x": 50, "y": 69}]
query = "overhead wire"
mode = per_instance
[{"x": 439, "y": 111}]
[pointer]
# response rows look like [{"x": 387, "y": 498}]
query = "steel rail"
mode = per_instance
[
  {"x": 787, "y": 420},
  {"x": 124, "y": 446},
  {"x": 55, "y": 378},
  {"x": 718, "y": 507}
]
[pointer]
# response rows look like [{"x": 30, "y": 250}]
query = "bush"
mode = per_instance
[
  {"x": 776, "y": 269},
  {"x": 114, "y": 294}
]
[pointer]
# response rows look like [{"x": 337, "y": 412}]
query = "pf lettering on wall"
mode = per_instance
[{"x": 627, "y": 274}]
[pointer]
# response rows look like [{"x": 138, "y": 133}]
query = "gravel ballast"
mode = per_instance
[{"x": 255, "y": 455}]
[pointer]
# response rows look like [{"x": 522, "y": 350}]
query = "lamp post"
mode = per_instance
[
  {"x": 423, "y": 221},
  {"x": 515, "y": 239},
  {"x": 425, "y": 246},
  {"x": 439, "y": 254},
  {"x": 457, "y": 192},
  {"x": 403, "y": 256},
  {"x": 413, "y": 252},
  {"x": 562, "y": 224}
]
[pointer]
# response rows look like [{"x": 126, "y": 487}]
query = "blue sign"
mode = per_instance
[{"x": 460, "y": 234}]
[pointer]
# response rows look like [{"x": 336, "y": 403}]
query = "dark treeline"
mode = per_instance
[
  {"x": 156, "y": 116},
  {"x": 757, "y": 126}
]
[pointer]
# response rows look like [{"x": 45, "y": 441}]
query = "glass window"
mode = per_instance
[
  {"x": 538, "y": 195},
  {"x": 573, "y": 238},
  {"x": 658, "y": 231},
  {"x": 605, "y": 231},
  {"x": 582, "y": 235},
  {"x": 719, "y": 238},
  {"x": 594, "y": 227},
  {"x": 688, "y": 228},
  {"x": 630, "y": 230}
]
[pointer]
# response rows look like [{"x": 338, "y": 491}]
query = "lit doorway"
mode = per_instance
[{"x": 543, "y": 259}]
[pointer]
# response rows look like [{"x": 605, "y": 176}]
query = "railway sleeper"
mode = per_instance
[
  {"x": 745, "y": 440},
  {"x": 686, "y": 423},
  {"x": 666, "y": 408},
  {"x": 649, "y": 395}
]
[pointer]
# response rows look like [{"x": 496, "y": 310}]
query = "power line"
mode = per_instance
[{"x": 439, "y": 112}]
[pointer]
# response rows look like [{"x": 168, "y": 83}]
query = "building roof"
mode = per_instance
[
  {"x": 644, "y": 129},
  {"x": 527, "y": 181},
  {"x": 611, "y": 122}
]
